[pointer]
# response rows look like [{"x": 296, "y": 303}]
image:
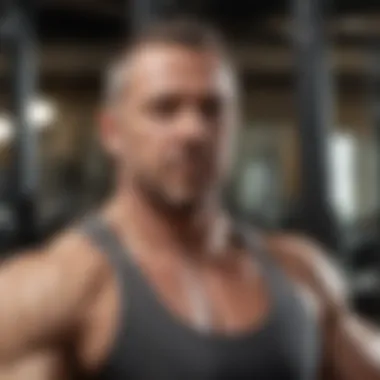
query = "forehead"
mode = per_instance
[{"x": 161, "y": 69}]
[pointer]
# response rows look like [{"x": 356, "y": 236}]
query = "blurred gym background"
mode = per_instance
[{"x": 308, "y": 157}]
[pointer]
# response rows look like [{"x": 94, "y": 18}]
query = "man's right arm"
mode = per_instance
[{"x": 44, "y": 294}]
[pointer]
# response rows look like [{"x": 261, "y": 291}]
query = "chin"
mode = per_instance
[{"x": 176, "y": 197}]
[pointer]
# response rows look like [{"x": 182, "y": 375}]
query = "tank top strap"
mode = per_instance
[
  {"x": 102, "y": 235},
  {"x": 280, "y": 285},
  {"x": 253, "y": 240}
]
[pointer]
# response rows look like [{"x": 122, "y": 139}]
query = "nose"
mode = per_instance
[{"x": 193, "y": 126}]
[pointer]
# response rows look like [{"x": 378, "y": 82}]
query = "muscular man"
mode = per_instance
[{"x": 161, "y": 284}]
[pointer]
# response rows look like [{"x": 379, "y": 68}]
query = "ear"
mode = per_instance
[{"x": 109, "y": 131}]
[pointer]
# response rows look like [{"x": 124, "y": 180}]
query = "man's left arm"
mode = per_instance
[{"x": 351, "y": 349}]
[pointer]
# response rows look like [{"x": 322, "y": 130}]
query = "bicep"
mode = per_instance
[
  {"x": 31, "y": 301},
  {"x": 354, "y": 348},
  {"x": 43, "y": 295}
]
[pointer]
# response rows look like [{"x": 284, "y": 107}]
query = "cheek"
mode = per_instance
[
  {"x": 227, "y": 148},
  {"x": 145, "y": 151},
  {"x": 153, "y": 155},
  {"x": 225, "y": 139}
]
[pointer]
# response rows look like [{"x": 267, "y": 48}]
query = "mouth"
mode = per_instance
[
  {"x": 195, "y": 175},
  {"x": 192, "y": 166}
]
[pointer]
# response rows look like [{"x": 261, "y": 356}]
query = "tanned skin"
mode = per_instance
[{"x": 170, "y": 132}]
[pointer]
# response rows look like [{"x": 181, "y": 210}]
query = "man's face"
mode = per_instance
[{"x": 172, "y": 129}]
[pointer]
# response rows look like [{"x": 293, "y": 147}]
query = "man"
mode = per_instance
[{"x": 161, "y": 284}]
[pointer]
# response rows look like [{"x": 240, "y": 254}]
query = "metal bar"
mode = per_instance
[
  {"x": 141, "y": 12},
  {"x": 22, "y": 48},
  {"x": 314, "y": 117},
  {"x": 144, "y": 12},
  {"x": 374, "y": 87}
]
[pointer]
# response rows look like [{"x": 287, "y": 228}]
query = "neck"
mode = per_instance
[{"x": 196, "y": 229}]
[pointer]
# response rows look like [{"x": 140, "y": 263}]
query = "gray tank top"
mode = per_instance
[{"x": 152, "y": 344}]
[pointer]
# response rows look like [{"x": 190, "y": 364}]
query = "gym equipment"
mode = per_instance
[
  {"x": 314, "y": 214},
  {"x": 365, "y": 279},
  {"x": 21, "y": 45}
]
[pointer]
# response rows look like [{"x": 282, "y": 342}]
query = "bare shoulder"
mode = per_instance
[
  {"x": 44, "y": 293},
  {"x": 68, "y": 258},
  {"x": 309, "y": 263},
  {"x": 79, "y": 269},
  {"x": 77, "y": 257}
]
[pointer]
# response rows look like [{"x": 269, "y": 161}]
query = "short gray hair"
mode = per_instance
[{"x": 192, "y": 34}]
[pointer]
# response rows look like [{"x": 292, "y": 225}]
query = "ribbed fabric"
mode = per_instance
[{"x": 152, "y": 344}]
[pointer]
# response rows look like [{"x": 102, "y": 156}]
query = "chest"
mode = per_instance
[
  {"x": 232, "y": 295},
  {"x": 142, "y": 326},
  {"x": 155, "y": 345}
]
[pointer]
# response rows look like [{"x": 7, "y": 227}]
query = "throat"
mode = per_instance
[{"x": 203, "y": 231}]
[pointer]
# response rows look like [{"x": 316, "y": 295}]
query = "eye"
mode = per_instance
[
  {"x": 165, "y": 107},
  {"x": 211, "y": 107}
]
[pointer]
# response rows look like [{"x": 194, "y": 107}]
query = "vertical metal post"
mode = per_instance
[
  {"x": 146, "y": 11},
  {"x": 22, "y": 49},
  {"x": 142, "y": 13},
  {"x": 314, "y": 109},
  {"x": 375, "y": 108}
]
